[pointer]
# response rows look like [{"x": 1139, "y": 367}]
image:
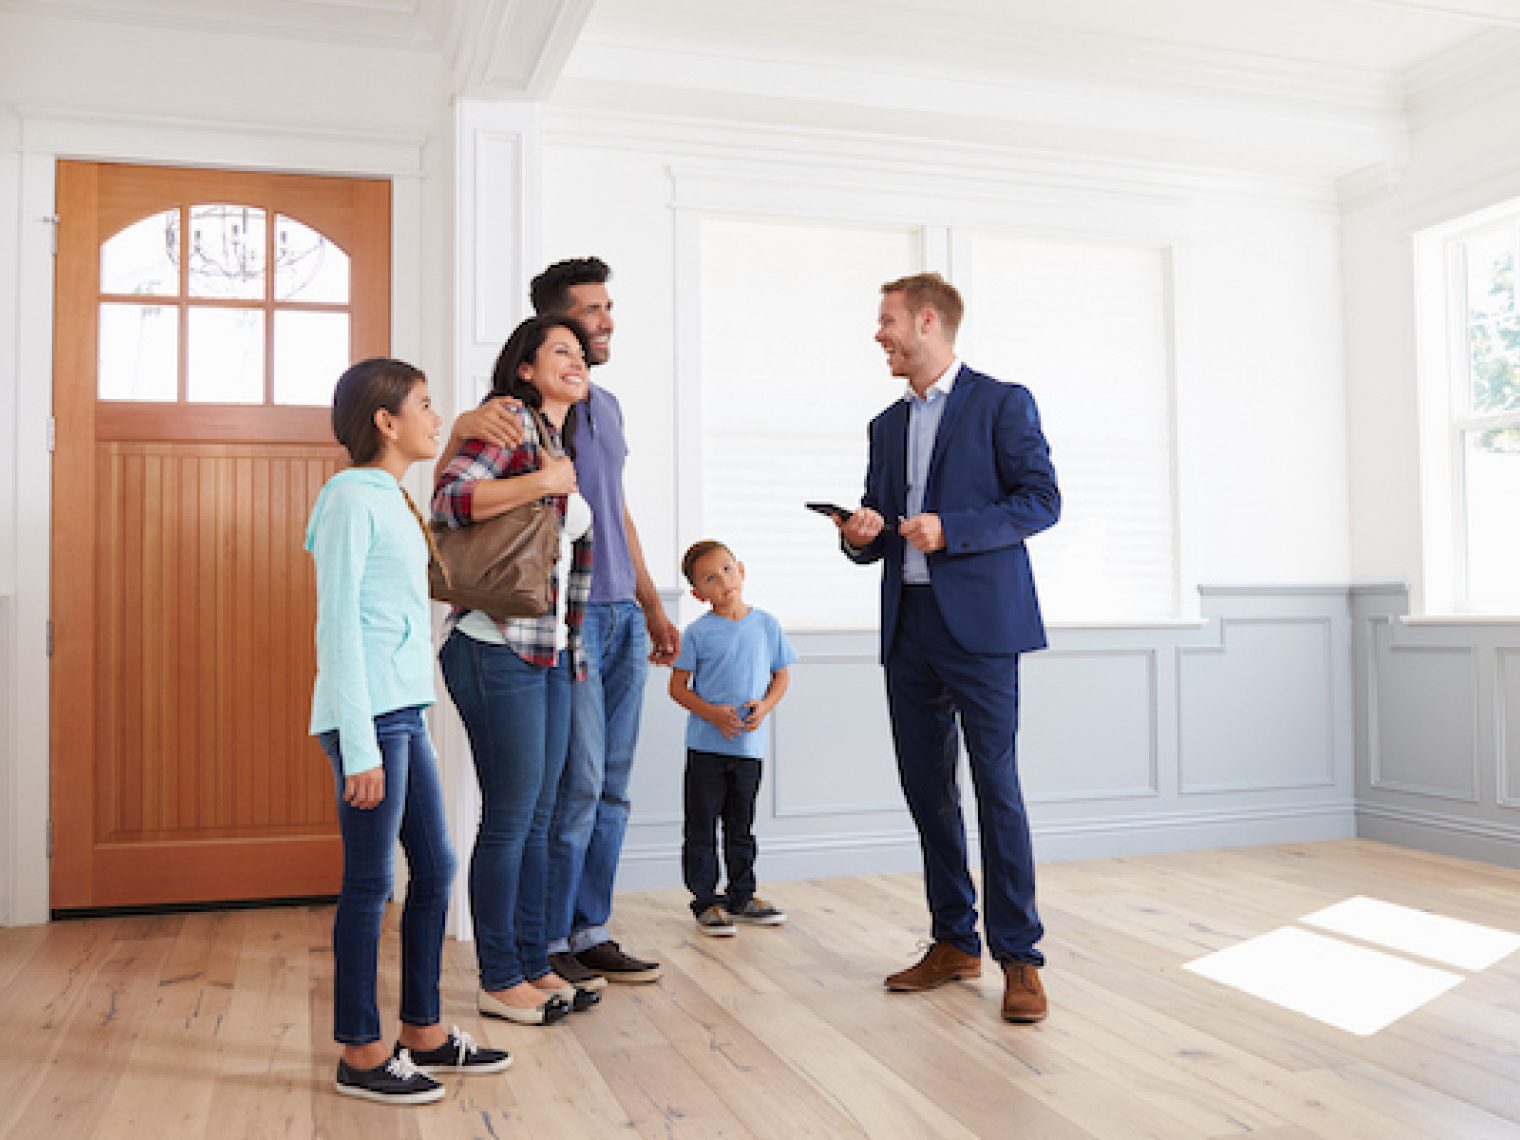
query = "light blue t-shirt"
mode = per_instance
[
  {"x": 374, "y": 633},
  {"x": 731, "y": 662}
]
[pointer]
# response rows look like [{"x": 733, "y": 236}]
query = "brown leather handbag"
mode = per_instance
[{"x": 502, "y": 566}]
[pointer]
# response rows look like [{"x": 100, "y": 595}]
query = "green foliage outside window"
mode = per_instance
[{"x": 1494, "y": 344}]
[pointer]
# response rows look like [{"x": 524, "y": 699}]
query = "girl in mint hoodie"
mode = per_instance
[{"x": 374, "y": 679}]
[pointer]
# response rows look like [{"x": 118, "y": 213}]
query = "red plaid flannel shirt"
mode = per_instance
[{"x": 531, "y": 638}]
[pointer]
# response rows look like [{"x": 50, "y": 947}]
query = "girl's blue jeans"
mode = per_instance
[{"x": 412, "y": 811}]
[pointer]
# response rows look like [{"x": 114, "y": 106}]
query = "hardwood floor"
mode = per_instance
[{"x": 218, "y": 1024}]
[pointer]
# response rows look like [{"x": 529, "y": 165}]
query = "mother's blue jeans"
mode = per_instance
[
  {"x": 517, "y": 716},
  {"x": 411, "y": 811}
]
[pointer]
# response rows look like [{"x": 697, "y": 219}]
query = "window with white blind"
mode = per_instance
[
  {"x": 790, "y": 377},
  {"x": 1085, "y": 328}
]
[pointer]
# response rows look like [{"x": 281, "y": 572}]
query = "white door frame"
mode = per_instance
[{"x": 48, "y": 136}]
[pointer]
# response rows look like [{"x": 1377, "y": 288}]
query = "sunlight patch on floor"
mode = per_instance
[
  {"x": 1350, "y": 987},
  {"x": 1465, "y": 945}
]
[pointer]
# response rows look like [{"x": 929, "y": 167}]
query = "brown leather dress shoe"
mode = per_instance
[
  {"x": 943, "y": 963},
  {"x": 1023, "y": 995}
]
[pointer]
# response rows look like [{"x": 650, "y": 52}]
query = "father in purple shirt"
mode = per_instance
[{"x": 625, "y": 629}]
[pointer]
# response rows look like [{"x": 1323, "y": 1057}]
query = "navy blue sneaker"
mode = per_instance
[
  {"x": 459, "y": 1054},
  {"x": 398, "y": 1081}
]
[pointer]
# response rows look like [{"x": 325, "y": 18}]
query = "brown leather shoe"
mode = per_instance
[
  {"x": 1023, "y": 995},
  {"x": 943, "y": 963}
]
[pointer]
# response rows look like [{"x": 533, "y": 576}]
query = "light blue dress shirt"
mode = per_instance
[{"x": 924, "y": 415}]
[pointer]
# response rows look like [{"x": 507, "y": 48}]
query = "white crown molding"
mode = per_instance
[
  {"x": 1486, "y": 65},
  {"x": 105, "y": 135},
  {"x": 507, "y": 49},
  {"x": 1199, "y": 126},
  {"x": 957, "y": 46},
  {"x": 1368, "y": 186},
  {"x": 726, "y": 151}
]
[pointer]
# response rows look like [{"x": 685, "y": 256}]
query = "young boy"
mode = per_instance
[{"x": 730, "y": 673}]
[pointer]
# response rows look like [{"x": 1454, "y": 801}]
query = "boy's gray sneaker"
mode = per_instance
[
  {"x": 714, "y": 921},
  {"x": 758, "y": 912}
]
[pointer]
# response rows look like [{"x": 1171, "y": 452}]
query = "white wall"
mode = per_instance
[
  {"x": 1464, "y": 155},
  {"x": 1437, "y": 698},
  {"x": 1260, "y": 399}
]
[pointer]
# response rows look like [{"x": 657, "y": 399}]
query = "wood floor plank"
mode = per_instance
[
  {"x": 221, "y": 1024},
  {"x": 113, "y": 1008},
  {"x": 174, "y": 1058}
]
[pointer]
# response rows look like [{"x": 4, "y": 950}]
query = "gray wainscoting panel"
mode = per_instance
[
  {"x": 1422, "y": 732},
  {"x": 1123, "y": 729},
  {"x": 1088, "y": 725},
  {"x": 1507, "y": 726},
  {"x": 1438, "y": 728},
  {"x": 1256, "y": 711},
  {"x": 660, "y": 763},
  {"x": 832, "y": 728}
]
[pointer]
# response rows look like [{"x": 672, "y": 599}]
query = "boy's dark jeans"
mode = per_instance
[{"x": 719, "y": 787}]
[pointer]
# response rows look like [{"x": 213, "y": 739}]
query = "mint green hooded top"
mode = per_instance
[{"x": 374, "y": 633}]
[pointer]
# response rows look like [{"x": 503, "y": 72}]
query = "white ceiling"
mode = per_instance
[
  {"x": 1380, "y": 34},
  {"x": 1311, "y": 86},
  {"x": 1300, "y": 87}
]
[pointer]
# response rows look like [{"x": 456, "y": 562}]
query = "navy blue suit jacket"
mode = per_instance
[{"x": 992, "y": 485}]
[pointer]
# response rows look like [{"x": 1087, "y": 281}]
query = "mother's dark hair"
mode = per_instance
[
  {"x": 521, "y": 348},
  {"x": 363, "y": 390}
]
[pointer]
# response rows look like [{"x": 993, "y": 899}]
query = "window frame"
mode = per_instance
[{"x": 1448, "y": 421}]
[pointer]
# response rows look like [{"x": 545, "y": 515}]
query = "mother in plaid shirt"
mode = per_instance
[{"x": 511, "y": 679}]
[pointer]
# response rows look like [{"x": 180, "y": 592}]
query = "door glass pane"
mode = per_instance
[
  {"x": 1491, "y": 486},
  {"x": 310, "y": 353},
  {"x": 226, "y": 251},
  {"x": 143, "y": 258},
  {"x": 226, "y": 356},
  {"x": 139, "y": 354},
  {"x": 307, "y": 266}
]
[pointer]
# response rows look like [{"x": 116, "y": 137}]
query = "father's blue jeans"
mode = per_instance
[
  {"x": 592, "y": 813},
  {"x": 517, "y": 716},
  {"x": 412, "y": 811}
]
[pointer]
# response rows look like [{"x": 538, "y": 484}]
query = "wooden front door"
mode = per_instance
[{"x": 202, "y": 318}]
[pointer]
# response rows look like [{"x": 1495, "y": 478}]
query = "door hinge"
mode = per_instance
[
  {"x": 50, "y": 839},
  {"x": 52, "y": 220},
  {"x": 52, "y": 434},
  {"x": 50, "y": 637}
]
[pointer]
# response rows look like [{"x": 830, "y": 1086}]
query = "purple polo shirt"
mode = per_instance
[{"x": 600, "y": 451}]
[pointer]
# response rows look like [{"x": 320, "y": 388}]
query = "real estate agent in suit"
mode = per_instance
[{"x": 961, "y": 469}]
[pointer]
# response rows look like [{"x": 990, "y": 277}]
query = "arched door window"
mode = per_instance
[{"x": 253, "y": 307}]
